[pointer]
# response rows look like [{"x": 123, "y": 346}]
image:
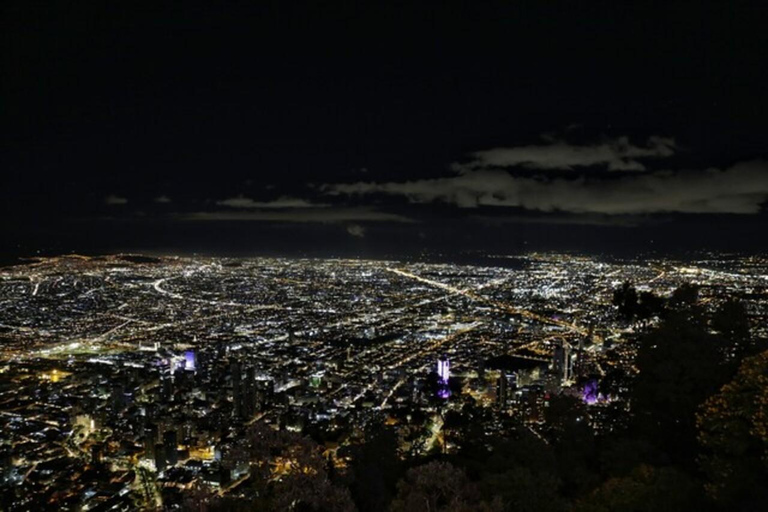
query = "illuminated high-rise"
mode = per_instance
[
  {"x": 443, "y": 373},
  {"x": 190, "y": 362}
]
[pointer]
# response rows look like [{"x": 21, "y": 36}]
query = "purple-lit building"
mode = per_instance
[
  {"x": 190, "y": 363},
  {"x": 590, "y": 393},
  {"x": 444, "y": 373}
]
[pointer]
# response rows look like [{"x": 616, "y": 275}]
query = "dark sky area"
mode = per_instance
[{"x": 439, "y": 127}]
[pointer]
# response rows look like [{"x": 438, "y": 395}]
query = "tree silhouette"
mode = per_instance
[
  {"x": 374, "y": 470},
  {"x": 522, "y": 490},
  {"x": 289, "y": 471},
  {"x": 520, "y": 470},
  {"x": 650, "y": 305},
  {"x": 731, "y": 322},
  {"x": 625, "y": 298},
  {"x": 733, "y": 430},
  {"x": 439, "y": 486},
  {"x": 680, "y": 364},
  {"x": 432, "y": 386},
  {"x": 646, "y": 489},
  {"x": 632, "y": 305},
  {"x": 573, "y": 441},
  {"x": 684, "y": 296}
]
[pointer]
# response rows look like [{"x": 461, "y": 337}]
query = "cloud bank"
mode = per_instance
[
  {"x": 740, "y": 189},
  {"x": 616, "y": 155},
  {"x": 114, "y": 200},
  {"x": 280, "y": 202},
  {"x": 323, "y": 215}
]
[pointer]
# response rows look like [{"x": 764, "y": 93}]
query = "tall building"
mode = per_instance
[
  {"x": 202, "y": 363},
  {"x": 170, "y": 441},
  {"x": 444, "y": 369},
  {"x": 563, "y": 362},
  {"x": 248, "y": 408},
  {"x": 159, "y": 457},
  {"x": 6, "y": 465},
  {"x": 150, "y": 439},
  {"x": 502, "y": 390},
  {"x": 443, "y": 373},
  {"x": 118, "y": 397},
  {"x": 237, "y": 391},
  {"x": 166, "y": 383},
  {"x": 190, "y": 362}
]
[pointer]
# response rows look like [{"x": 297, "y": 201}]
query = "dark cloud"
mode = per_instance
[
  {"x": 616, "y": 155},
  {"x": 114, "y": 200},
  {"x": 321, "y": 215},
  {"x": 741, "y": 189},
  {"x": 162, "y": 199},
  {"x": 586, "y": 219},
  {"x": 356, "y": 230},
  {"x": 280, "y": 202}
]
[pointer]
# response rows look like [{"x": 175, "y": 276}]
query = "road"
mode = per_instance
[{"x": 497, "y": 305}]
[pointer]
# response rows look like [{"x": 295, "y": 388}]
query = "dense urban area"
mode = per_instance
[{"x": 538, "y": 382}]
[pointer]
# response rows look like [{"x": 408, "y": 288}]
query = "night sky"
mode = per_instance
[{"x": 305, "y": 128}]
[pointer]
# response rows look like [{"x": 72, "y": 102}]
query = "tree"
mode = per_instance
[
  {"x": 573, "y": 442},
  {"x": 520, "y": 489},
  {"x": 456, "y": 386},
  {"x": 432, "y": 386},
  {"x": 680, "y": 365},
  {"x": 566, "y": 416},
  {"x": 731, "y": 322},
  {"x": 290, "y": 471},
  {"x": 625, "y": 298},
  {"x": 310, "y": 492},
  {"x": 616, "y": 383},
  {"x": 454, "y": 425},
  {"x": 684, "y": 296},
  {"x": 439, "y": 486},
  {"x": 649, "y": 306},
  {"x": 733, "y": 430},
  {"x": 646, "y": 489},
  {"x": 522, "y": 449},
  {"x": 374, "y": 470},
  {"x": 618, "y": 456},
  {"x": 521, "y": 471}
]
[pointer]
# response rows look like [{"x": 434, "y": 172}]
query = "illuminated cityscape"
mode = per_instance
[
  {"x": 140, "y": 376},
  {"x": 497, "y": 256}
]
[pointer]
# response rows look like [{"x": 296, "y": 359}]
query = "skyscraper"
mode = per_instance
[
  {"x": 150, "y": 438},
  {"x": 237, "y": 391},
  {"x": 170, "y": 440},
  {"x": 443, "y": 373},
  {"x": 501, "y": 390},
  {"x": 248, "y": 408},
  {"x": 444, "y": 369},
  {"x": 159, "y": 457},
  {"x": 563, "y": 362}
]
